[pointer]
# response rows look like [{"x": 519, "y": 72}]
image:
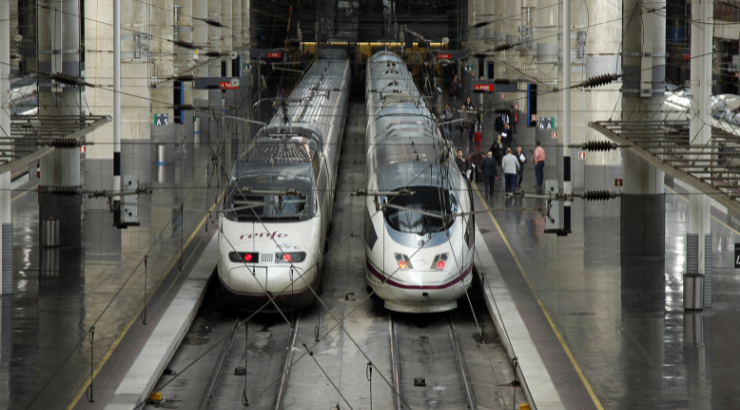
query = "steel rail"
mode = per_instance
[
  {"x": 287, "y": 365},
  {"x": 228, "y": 344},
  {"x": 394, "y": 363},
  {"x": 461, "y": 365}
]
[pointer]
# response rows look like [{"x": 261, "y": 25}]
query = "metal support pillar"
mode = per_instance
[
  {"x": 567, "y": 188},
  {"x": 699, "y": 234},
  {"x": 6, "y": 234},
  {"x": 116, "y": 107}
]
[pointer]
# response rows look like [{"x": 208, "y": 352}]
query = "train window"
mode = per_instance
[
  {"x": 419, "y": 214},
  {"x": 246, "y": 206},
  {"x": 291, "y": 205}
]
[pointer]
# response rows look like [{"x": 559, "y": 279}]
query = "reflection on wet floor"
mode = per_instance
[
  {"x": 59, "y": 293},
  {"x": 623, "y": 317}
]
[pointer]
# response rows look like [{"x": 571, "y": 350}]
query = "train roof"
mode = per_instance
[
  {"x": 246, "y": 171},
  {"x": 416, "y": 173},
  {"x": 289, "y": 156},
  {"x": 309, "y": 106}
]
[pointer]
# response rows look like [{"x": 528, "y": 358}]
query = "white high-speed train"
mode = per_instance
[
  {"x": 419, "y": 233},
  {"x": 279, "y": 199}
]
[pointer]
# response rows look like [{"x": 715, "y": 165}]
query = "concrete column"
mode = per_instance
[
  {"x": 6, "y": 235},
  {"x": 479, "y": 17},
  {"x": 184, "y": 32},
  {"x": 499, "y": 34},
  {"x": 162, "y": 59},
  {"x": 215, "y": 39},
  {"x": 236, "y": 25},
  {"x": 226, "y": 38},
  {"x": 699, "y": 234},
  {"x": 247, "y": 24},
  {"x": 58, "y": 44},
  {"x": 601, "y": 103},
  {"x": 98, "y": 70},
  {"x": 135, "y": 97},
  {"x": 643, "y": 211},
  {"x": 6, "y": 222}
]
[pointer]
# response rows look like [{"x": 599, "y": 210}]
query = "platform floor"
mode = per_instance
[
  {"x": 631, "y": 344},
  {"x": 59, "y": 294}
]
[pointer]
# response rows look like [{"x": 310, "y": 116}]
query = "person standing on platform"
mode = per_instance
[
  {"x": 468, "y": 103},
  {"x": 489, "y": 166},
  {"x": 522, "y": 160},
  {"x": 539, "y": 163},
  {"x": 510, "y": 166},
  {"x": 461, "y": 117},
  {"x": 462, "y": 163}
]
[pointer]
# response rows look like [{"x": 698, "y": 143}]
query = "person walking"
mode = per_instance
[
  {"x": 522, "y": 160},
  {"x": 472, "y": 117},
  {"x": 461, "y": 124},
  {"x": 510, "y": 166},
  {"x": 475, "y": 160},
  {"x": 539, "y": 163},
  {"x": 498, "y": 150},
  {"x": 447, "y": 127},
  {"x": 455, "y": 88},
  {"x": 506, "y": 136},
  {"x": 489, "y": 166}
]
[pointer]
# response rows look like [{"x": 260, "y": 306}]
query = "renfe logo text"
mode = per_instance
[{"x": 265, "y": 235}]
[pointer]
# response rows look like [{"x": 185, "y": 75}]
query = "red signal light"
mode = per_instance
[
  {"x": 248, "y": 257},
  {"x": 440, "y": 265},
  {"x": 402, "y": 264},
  {"x": 286, "y": 257}
]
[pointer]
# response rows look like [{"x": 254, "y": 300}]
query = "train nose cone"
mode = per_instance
[{"x": 421, "y": 287}]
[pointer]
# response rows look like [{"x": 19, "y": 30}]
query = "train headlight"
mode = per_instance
[
  {"x": 288, "y": 257},
  {"x": 439, "y": 261},
  {"x": 403, "y": 261},
  {"x": 241, "y": 257}
]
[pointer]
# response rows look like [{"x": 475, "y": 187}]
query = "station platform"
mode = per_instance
[
  {"x": 60, "y": 294},
  {"x": 598, "y": 330}
]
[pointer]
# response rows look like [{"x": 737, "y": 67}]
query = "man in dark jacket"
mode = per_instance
[
  {"x": 462, "y": 163},
  {"x": 490, "y": 173}
]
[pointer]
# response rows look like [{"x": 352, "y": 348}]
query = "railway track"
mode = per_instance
[
  {"x": 256, "y": 376},
  {"x": 220, "y": 353},
  {"x": 428, "y": 367}
]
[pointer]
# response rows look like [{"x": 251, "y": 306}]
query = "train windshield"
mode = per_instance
[
  {"x": 264, "y": 197},
  {"x": 422, "y": 214}
]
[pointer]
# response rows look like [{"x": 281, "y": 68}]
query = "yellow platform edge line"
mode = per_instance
[
  {"x": 573, "y": 361},
  {"x": 113, "y": 346},
  {"x": 713, "y": 217}
]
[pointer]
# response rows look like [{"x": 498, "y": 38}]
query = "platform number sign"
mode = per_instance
[
  {"x": 737, "y": 256},
  {"x": 161, "y": 120}
]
